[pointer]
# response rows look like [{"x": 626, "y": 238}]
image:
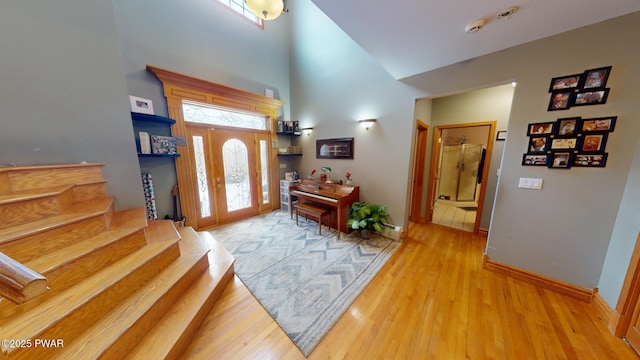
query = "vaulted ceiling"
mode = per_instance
[{"x": 409, "y": 37}]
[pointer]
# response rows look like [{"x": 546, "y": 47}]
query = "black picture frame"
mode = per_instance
[
  {"x": 564, "y": 83},
  {"x": 598, "y": 125},
  {"x": 538, "y": 144},
  {"x": 594, "y": 79},
  {"x": 561, "y": 100},
  {"x": 542, "y": 128},
  {"x": 593, "y": 143},
  {"x": 560, "y": 159},
  {"x": 567, "y": 127},
  {"x": 535, "y": 159},
  {"x": 591, "y": 97},
  {"x": 590, "y": 160},
  {"x": 341, "y": 148},
  {"x": 564, "y": 143},
  {"x": 501, "y": 135}
]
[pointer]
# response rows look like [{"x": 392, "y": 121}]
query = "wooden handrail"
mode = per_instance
[{"x": 18, "y": 283}]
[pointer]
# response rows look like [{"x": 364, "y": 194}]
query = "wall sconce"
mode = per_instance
[
  {"x": 307, "y": 131},
  {"x": 367, "y": 123}
]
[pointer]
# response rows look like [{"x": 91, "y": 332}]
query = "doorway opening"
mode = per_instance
[{"x": 460, "y": 162}]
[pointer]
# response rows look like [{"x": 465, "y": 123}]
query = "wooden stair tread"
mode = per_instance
[
  {"x": 75, "y": 213},
  {"x": 66, "y": 255},
  {"x": 102, "y": 335},
  {"x": 38, "y": 319},
  {"x": 174, "y": 330}
]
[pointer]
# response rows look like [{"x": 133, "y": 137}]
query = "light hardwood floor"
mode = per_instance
[{"x": 432, "y": 300}]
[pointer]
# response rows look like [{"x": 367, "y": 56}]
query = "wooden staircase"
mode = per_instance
[{"x": 119, "y": 286}]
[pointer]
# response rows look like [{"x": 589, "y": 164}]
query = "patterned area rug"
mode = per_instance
[{"x": 304, "y": 280}]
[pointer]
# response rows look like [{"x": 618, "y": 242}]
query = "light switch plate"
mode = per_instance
[{"x": 530, "y": 183}]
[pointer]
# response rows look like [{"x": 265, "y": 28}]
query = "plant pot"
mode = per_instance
[{"x": 365, "y": 234}]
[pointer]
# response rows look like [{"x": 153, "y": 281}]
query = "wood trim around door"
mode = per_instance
[
  {"x": 178, "y": 87},
  {"x": 418, "y": 183},
  {"x": 435, "y": 156}
]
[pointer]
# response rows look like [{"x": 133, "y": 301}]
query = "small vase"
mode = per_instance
[
  {"x": 349, "y": 182},
  {"x": 365, "y": 234}
]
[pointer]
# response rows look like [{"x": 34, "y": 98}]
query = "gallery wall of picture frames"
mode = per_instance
[
  {"x": 587, "y": 88},
  {"x": 568, "y": 142}
]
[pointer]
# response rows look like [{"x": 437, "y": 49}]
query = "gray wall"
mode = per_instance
[
  {"x": 63, "y": 97},
  {"x": 334, "y": 83},
  {"x": 204, "y": 39},
  {"x": 564, "y": 230}
]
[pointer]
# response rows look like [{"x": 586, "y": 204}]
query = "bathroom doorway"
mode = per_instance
[{"x": 460, "y": 161}]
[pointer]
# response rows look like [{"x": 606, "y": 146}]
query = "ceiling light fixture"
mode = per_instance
[
  {"x": 367, "y": 123},
  {"x": 475, "y": 26},
  {"x": 267, "y": 9},
  {"x": 506, "y": 13}
]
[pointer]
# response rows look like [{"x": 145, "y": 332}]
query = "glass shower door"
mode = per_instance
[{"x": 471, "y": 155}]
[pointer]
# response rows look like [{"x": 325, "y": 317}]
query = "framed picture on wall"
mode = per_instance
[
  {"x": 604, "y": 124},
  {"x": 538, "y": 144},
  {"x": 594, "y": 143},
  {"x": 568, "y": 127},
  {"x": 544, "y": 128},
  {"x": 534, "y": 160},
  {"x": 560, "y": 100},
  {"x": 566, "y": 82},
  {"x": 501, "y": 136},
  {"x": 591, "y": 97},
  {"x": 560, "y": 160},
  {"x": 590, "y": 160},
  {"x": 140, "y": 105},
  {"x": 596, "y": 78},
  {"x": 334, "y": 148},
  {"x": 568, "y": 143}
]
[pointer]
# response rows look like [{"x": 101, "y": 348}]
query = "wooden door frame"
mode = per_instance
[
  {"x": 435, "y": 156},
  {"x": 178, "y": 87},
  {"x": 419, "y": 165},
  {"x": 629, "y": 295}
]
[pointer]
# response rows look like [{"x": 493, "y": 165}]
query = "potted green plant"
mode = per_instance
[{"x": 367, "y": 217}]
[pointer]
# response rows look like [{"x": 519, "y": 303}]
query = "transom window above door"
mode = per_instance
[{"x": 209, "y": 114}]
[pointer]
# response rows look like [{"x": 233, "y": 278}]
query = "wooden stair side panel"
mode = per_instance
[
  {"x": 24, "y": 209},
  {"x": 139, "y": 314},
  {"x": 26, "y": 242},
  {"x": 33, "y": 177},
  {"x": 68, "y": 266},
  {"x": 173, "y": 333},
  {"x": 68, "y": 315}
]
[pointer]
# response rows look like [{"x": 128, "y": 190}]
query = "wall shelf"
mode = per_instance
[
  {"x": 286, "y": 155},
  {"x": 158, "y": 155},
  {"x": 152, "y": 118}
]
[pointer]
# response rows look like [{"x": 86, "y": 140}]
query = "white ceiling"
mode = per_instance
[{"x": 409, "y": 37}]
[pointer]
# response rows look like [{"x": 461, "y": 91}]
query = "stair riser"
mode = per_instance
[
  {"x": 20, "y": 179},
  {"x": 132, "y": 336},
  {"x": 72, "y": 272},
  {"x": 85, "y": 192},
  {"x": 22, "y": 212},
  {"x": 31, "y": 247},
  {"x": 74, "y": 323}
]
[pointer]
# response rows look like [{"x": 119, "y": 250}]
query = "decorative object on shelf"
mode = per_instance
[
  {"x": 326, "y": 175},
  {"x": 288, "y": 128},
  {"x": 334, "y": 148},
  {"x": 367, "y": 217},
  {"x": 310, "y": 176},
  {"x": 140, "y": 105},
  {"x": 145, "y": 142},
  {"x": 348, "y": 176},
  {"x": 163, "y": 145},
  {"x": 367, "y": 123}
]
